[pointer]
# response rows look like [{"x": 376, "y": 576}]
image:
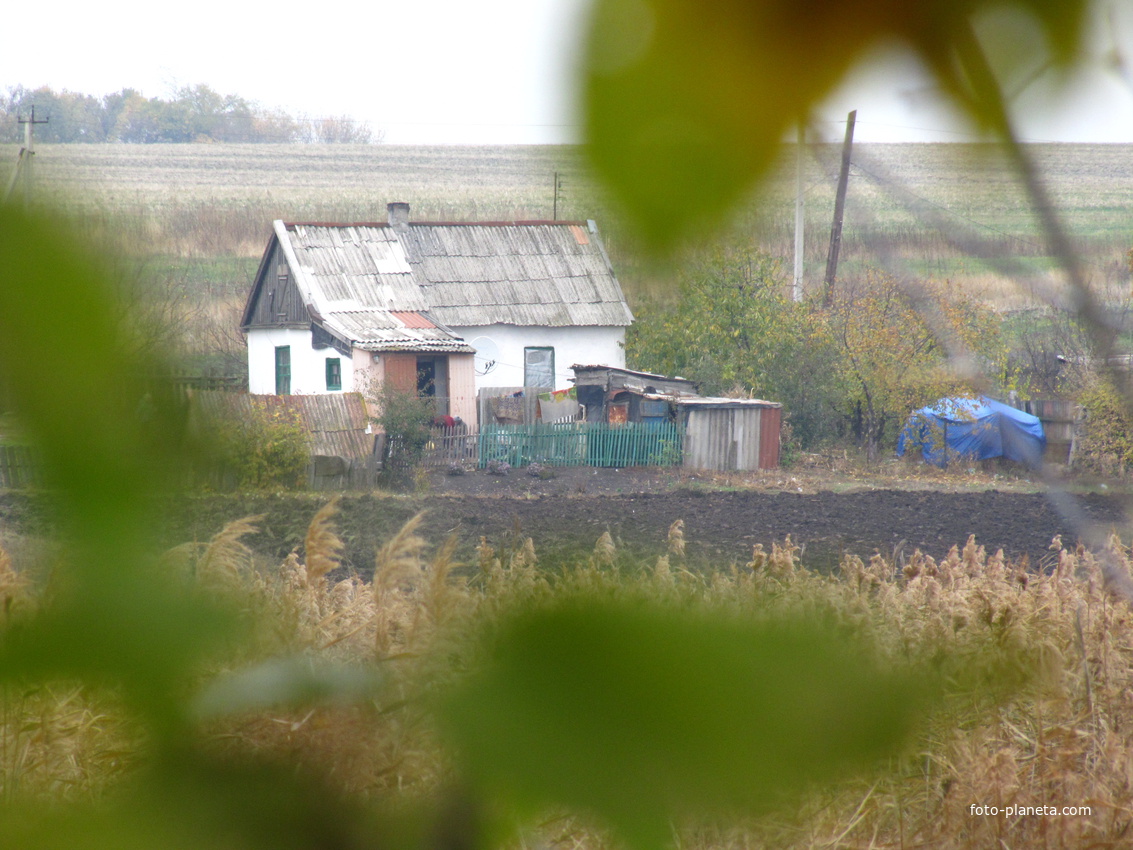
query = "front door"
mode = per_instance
[{"x": 432, "y": 381}]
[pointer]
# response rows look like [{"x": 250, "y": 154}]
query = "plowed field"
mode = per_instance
[{"x": 567, "y": 514}]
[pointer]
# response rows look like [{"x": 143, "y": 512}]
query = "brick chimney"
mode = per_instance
[{"x": 398, "y": 213}]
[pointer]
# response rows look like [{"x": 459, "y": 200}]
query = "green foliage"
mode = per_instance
[
  {"x": 268, "y": 449},
  {"x": 686, "y": 105},
  {"x": 114, "y": 619},
  {"x": 1105, "y": 444},
  {"x": 1046, "y": 353},
  {"x": 405, "y": 418},
  {"x": 860, "y": 365},
  {"x": 730, "y": 324},
  {"x": 190, "y": 114},
  {"x": 899, "y": 350}
]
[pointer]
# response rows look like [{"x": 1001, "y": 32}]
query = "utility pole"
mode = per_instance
[
  {"x": 797, "y": 289},
  {"x": 23, "y": 169},
  {"x": 839, "y": 209}
]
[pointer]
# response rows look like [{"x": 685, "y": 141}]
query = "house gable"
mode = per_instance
[{"x": 275, "y": 300}]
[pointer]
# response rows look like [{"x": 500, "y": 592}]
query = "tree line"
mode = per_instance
[{"x": 191, "y": 114}]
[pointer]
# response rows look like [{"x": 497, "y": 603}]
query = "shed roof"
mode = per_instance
[
  {"x": 413, "y": 285},
  {"x": 717, "y": 403},
  {"x": 336, "y": 423}
]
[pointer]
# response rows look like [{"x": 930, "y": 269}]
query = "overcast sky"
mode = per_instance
[{"x": 461, "y": 71}]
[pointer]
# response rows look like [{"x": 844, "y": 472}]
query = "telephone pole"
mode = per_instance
[
  {"x": 23, "y": 170},
  {"x": 839, "y": 209}
]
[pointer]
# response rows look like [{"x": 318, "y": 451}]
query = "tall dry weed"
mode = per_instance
[
  {"x": 14, "y": 590},
  {"x": 397, "y": 573},
  {"x": 1040, "y": 664},
  {"x": 227, "y": 560},
  {"x": 322, "y": 545}
]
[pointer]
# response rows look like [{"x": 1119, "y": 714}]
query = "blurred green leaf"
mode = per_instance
[
  {"x": 286, "y": 681},
  {"x": 85, "y": 406},
  {"x": 194, "y": 802},
  {"x": 687, "y": 102},
  {"x": 639, "y": 714},
  {"x": 108, "y": 439}
]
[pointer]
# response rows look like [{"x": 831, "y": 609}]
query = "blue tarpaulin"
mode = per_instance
[{"x": 973, "y": 429}]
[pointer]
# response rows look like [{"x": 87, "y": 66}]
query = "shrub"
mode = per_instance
[
  {"x": 902, "y": 346},
  {"x": 267, "y": 449},
  {"x": 1105, "y": 443},
  {"x": 731, "y": 325},
  {"x": 405, "y": 418}
]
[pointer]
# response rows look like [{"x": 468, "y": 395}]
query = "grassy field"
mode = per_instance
[
  {"x": 196, "y": 217},
  {"x": 910, "y": 204}
]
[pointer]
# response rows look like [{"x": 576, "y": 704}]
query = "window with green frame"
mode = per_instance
[
  {"x": 283, "y": 370},
  {"x": 334, "y": 373},
  {"x": 539, "y": 367}
]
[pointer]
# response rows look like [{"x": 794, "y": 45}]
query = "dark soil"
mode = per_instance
[{"x": 566, "y": 514}]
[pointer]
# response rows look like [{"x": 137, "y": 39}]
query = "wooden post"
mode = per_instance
[{"x": 839, "y": 209}]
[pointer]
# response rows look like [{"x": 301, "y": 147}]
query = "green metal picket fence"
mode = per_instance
[{"x": 582, "y": 444}]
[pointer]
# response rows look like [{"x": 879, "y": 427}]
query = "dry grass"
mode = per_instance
[{"x": 1059, "y": 642}]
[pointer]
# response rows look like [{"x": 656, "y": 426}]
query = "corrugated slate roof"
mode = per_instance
[
  {"x": 359, "y": 284},
  {"x": 531, "y": 273},
  {"x": 389, "y": 288}
]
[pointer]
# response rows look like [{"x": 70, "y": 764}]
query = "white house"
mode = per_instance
[{"x": 445, "y": 308}]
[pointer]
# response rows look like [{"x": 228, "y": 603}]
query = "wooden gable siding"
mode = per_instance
[{"x": 277, "y": 305}]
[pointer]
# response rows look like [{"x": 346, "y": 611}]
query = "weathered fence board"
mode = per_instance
[
  {"x": 454, "y": 445},
  {"x": 19, "y": 467}
]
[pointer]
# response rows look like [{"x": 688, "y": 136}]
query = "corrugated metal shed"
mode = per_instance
[
  {"x": 337, "y": 423},
  {"x": 727, "y": 434},
  {"x": 612, "y": 377}
]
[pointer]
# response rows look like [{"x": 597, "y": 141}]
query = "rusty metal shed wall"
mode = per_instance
[{"x": 729, "y": 438}]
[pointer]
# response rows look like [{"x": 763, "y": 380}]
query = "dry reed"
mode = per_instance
[{"x": 1053, "y": 727}]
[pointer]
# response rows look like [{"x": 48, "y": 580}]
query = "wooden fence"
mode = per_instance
[
  {"x": 581, "y": 444},
  {"x": 557, "y": 444},
  {"x": 457, "y": 445}
]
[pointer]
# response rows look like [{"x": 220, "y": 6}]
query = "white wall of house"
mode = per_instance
[
  {"x": 591, "y": 346},
  {"x": 368, "y": 373},
  {"x": 308, "y": 365}
]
